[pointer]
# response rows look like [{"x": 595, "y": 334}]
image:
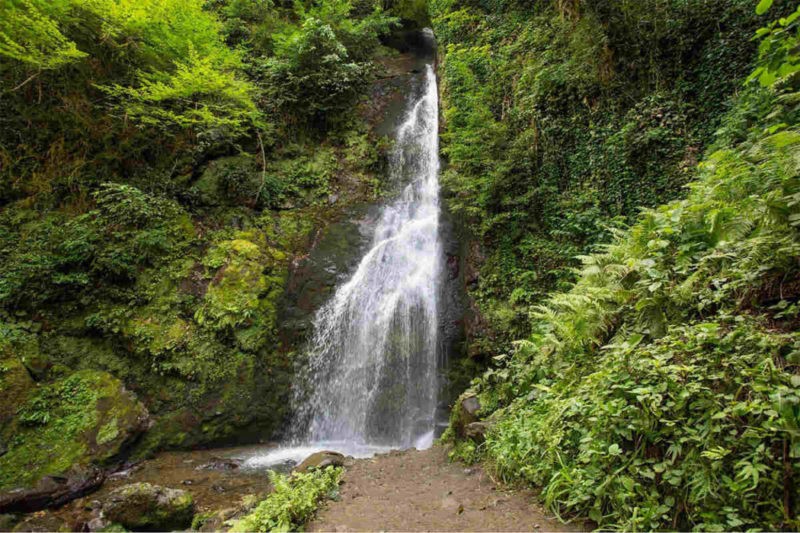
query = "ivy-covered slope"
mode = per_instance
[
  {"x": 564, "y": 118},
  {"x": 661, "y": 390}
]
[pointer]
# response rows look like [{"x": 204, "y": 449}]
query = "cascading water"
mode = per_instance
[{"x": 373, "y": 361}]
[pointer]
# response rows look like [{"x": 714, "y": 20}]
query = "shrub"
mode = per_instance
[{"x": 293, "y": 502}]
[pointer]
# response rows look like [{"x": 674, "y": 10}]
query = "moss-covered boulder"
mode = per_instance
[
  {"x": 44, "y": 523},
  {"x": 465, "y": 413},
  {"x": 146, "y": 507},
  {"x": 60, "y": 436},
  {"x": 231, "y": 180},
  {"x": 15, "y": 385}
]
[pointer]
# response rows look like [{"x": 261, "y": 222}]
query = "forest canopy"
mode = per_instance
[{"x": 120, "y": 86}]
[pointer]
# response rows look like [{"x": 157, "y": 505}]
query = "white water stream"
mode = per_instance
[{"x": 373, "y": 358}]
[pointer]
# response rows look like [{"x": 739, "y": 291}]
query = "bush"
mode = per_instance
[{"x": 293, "y": 502}]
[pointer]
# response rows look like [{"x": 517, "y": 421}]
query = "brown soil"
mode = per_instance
[{"x": 423, "y": 491}]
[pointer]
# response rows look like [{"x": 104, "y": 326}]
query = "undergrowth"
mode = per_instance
[
  {"x": 662, "y": 390},
  {"x": 294, "y": 500}
]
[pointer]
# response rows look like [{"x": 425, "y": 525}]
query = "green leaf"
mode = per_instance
[{"x": 763, "y": 6}]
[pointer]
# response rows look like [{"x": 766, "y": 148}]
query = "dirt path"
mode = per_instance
[{"x": 422, "y": 491}]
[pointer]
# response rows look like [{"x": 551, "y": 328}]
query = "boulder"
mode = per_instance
[
  {"x": 321, "y": 459},
  {"x": 476, "y": 431},
  {"x": 468, "y": 408},
  {"x": 63, "y": 435},
  {"x": 146, "y": 507},
  {"x": 46, "y": 522}
]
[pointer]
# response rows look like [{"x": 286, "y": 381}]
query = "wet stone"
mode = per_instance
[{"x": 320, "y": 460}]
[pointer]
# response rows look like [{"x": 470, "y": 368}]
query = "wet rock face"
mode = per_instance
[
  {"x": 146, "y": 507},
  {"x": 334, "y": 254},
  {"x": 452, "y": 308}
]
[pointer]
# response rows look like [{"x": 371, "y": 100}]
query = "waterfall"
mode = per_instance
[
  {"x": 373, "y": 363},
  {"x": 371, "y": 381}
]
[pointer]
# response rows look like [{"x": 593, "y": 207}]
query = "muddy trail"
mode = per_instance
[{"x": 423, "y": 491}]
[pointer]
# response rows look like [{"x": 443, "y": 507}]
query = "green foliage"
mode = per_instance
[
  {"x": 112, "y": 90},
  {"x": 164, "y": 101},
  {"x": 62, "y": 257},
  {"x": 293, "y": 502},
  {"x": 778, "y": 57},
  {"x": 322, "y": 65},
  {"x": 29, "y": 35},
  {"x": 563, "y": 119},
  {"x": 181, "y": 73},
  {"x": 683, "y": 432},
  {"x": 662, "y": 390},
  {"x": 304, "y": 176},
  {"x": 465, "y": 451}
]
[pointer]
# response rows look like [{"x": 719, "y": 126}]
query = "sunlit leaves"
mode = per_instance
[
  {"x": 29, "y": 33},
  {"x": 778, "y": 50},
  {"x": 763, "y": 6},
  {"x": 196, "y": 95},
  {"x": 179, "y": 72}
]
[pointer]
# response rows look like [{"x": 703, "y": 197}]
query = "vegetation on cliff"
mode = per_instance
[
  {"x": 161, "y": 164},
  {"x": 564, "y": 118},
  {"x": 661, "y": 390}
]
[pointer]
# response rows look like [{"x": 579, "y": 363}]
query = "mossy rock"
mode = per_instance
[
  {"x": 47, "y": 522},
  {"x": 229, "y": 181},
  {"x": 15, "y": 385},
  {"x": 24, "y": 346},
  {"x": 62, "y": 432},
  {"x": 464, "y": 413},
  {"x": 146, "y": 507}
]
